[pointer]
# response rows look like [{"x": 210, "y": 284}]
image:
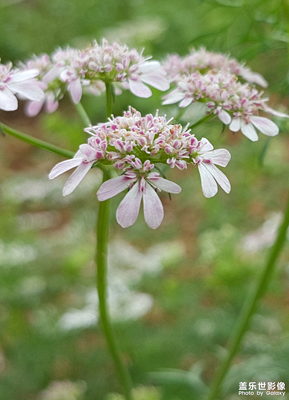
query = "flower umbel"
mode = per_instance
[
  {"x": 203, "y": 61},
  {"x": 89, "y": 69},
  {"x": 135, "y": 145},
  {"x": 213, "y": 79},
  {"x": 22, "y": 83},
  {"x": 51, "y": 92}
]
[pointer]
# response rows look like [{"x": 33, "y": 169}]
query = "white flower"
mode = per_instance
[
  {"x": 209, "y": 173},
  {"x": 32, "y": 108},
  {"x": 263, "y": 124},
  {"x": 141, "y": 187},
  {"x": 83, "y": 160},
  {"x": 151, "y": 73},
  {"x": 21, "y": 83}
]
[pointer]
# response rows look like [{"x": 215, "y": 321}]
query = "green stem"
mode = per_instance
[
  {"x": 204, "y": 119},
  {"x": 250, "y": 307},
  {"x": 102, "y": 232},
  {"x": 109, "y": 99},
  {"x": 35, "y": 142},
  {"x": 83, "y": 115}
]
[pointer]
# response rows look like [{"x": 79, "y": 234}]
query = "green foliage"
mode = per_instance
[{"x": 139, "y": 393}]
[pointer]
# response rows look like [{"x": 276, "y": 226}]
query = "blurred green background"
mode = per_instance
[{"x": 175, "y": 292}]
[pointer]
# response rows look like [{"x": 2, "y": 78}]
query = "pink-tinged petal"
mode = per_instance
[
  {"x": 220, "y": 157},
  {"x": 24, "y": 75},
  {"x": 52, "y": 74},
  {"x": 30, "y": 90},
  {"x": 113, "y": 186},
  {"x": 209, "y": 185},
  {"x": 51, "y": 104},
  {"x": 224, "y": 117},
  {"x": 153, "y": 208},
  {"x": 253, "y": 77},
  {"x": 260, "y": 80},
  {"x": 186, "y": 102},
  {"x": 164, "y": 184},
  {"x": 128, "y": 209},
  {"x": 139, "y": 89},
  {"x": 74, "y": 180},
  {"x": 88, "y": 151},
  {"x": 75, "y": 91},
  {"x": 174, "y": 97},
  {"x": 235, "y": 125},
  {"x": 156, "y": 80},
  {"x": 220, "y": 177},
  {"x": 42, "y": 85},
  {"x": 78, "y": 154},
  {"x": 276, "y": 113},
  {"x": 8, "y": 101},
  {"x": 148, "y": 67},
  {"x": 64, "y": 166},
  {"x": 205, "y": 146},
  {"x": 249, "y": 131},
  {"x": 265, "y": 125},
  {"x": 33, "y": 108}
]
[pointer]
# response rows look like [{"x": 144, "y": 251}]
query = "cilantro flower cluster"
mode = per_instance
[
  {"x": 75, "y": 71},
  {"x": 212, "y": 79},
  {"x": 203, "y": 61},
  {"x": 134, "y": 145},
  {"x": 21, "y": 83}
]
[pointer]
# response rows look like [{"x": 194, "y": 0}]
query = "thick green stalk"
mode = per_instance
[
  {"x": 250, "y": 307},
  {"x": 35, "y": 142},
  {"x": 102, "y": 232}
]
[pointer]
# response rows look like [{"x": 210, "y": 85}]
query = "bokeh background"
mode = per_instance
[{"x": 175, "y": 293}]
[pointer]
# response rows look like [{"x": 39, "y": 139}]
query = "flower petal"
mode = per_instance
[
  {"x": 209, "y": 185},
  {"x": 153, "y": 208},
  {"x": 276, "y": 113},
  {"x": 113, "y": 186},
  {"x": 173, "y": 97},
  {"x": 220, "y": 177},
  {"x": 75, "y": 90},
  {"x": 265, "y": 125},
  {"x": 224, "y": 117},
  {"x": 128, "y": 209},
  {"x": 74, "y": 180},
  {"x": 205, "y": 145},
  {"x": 235, "y": 125},
  {"x": 251, "y": 76},
  {"x": 88, "y": 152},
  {"x": 186, "y": 102},
  {"x": 164, "y": 184},
  {"x": 156, "y": 80},
  {"x": 148, "y": 67},
  {"x": 52, "y": 74},
  {"x": 249, "y": 131},
  {"x": 64, "y": 166},
  {"x": 29, "y": 89},
  {"x": 24, "y": 75},
  {"x": 139, "y": 89},
  {"x": 51, "y": 104},
  {"x": 8, "y": 102},
  {"x": 220, "y": 157},
  {"x": 33, "y": 108}
]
